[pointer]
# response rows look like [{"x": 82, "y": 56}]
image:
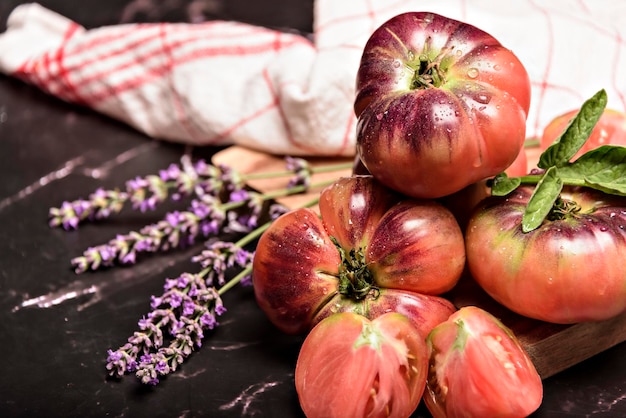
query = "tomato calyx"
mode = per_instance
[
  {"x": 428, "y": 72},
  {"x": 355, "y": 278},
  {"x": 562, "y": 209}
]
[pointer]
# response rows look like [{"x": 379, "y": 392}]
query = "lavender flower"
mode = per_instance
[
  {"x": 101, "y": 204},
  {"x": 187, "y": 308},
  {"x": 218, "y": 257},
  {"x": 177, "y": 229},
  {"x": 144, "y": 193},
  {"x": 231, "y": 179},
  {"x": 185, "y": 179},
  {"x": 277, "y": 210},
  {"x": 302, "y": 171}
]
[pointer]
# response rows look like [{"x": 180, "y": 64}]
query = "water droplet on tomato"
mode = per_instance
[
  {"x": 379, "y": 116},
  {"x": 482, "y": 108},
  {"x": 483, "y": 98},
  {"x": 472, "y": 72},
  {"x": 396, "y": 64},
  {"x": 458, "y": 52},
  {"x": 497, "y": 67}
]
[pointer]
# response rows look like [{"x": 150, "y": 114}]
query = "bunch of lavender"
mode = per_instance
[{"x": 190, "y": 303}]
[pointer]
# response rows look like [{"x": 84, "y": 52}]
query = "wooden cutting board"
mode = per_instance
[{"x": 551, "y": 347}]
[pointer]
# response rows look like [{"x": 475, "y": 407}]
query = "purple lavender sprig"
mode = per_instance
[
  {"x": 189, "y": 306},
  {"x": 101, "y": 204},
  {"x": 177, "y": 181},
  {"x": 205, "y": 217},
  {"x": 302, "y": 172},
  {"x": 144, "y": 193}
]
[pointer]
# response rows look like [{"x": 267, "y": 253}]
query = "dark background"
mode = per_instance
[{"x": 53, "y": 352}]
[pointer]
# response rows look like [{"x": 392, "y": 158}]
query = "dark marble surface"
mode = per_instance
[{"x": 56, "y": 326}]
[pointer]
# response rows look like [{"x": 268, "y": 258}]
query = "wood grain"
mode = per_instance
[{"x": 552, "y": 347}]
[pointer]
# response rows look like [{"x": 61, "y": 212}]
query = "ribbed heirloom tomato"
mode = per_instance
[
  {"x": 568, "y": 270},
  {"x": 369, "y": 251},
  {"x": 478, "y": 369},
  {"x": 349, "y": 366},
  {"x": 440, "y": 104}
]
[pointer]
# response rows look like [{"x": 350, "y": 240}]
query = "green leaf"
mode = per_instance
[
  {"x": 602, "y": 168},
  {"x": 542, "y": 200},
  {"x": 576, "y": 133},
  {"x": 501, "y": 185}
]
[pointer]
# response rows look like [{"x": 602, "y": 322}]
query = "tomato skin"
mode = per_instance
[
  {"x": 424, "y": 311},
  {"x": 410, "y": 245},
  {"x": 610, "y": 129},
  {"x": 565, "y": 271},
  {"x": 349, "y": 366},
  {"x": 409, "y": 239},
  {"x": 352, "y": 208},
  {"x": 296, "y": 254},
  {"x": 477, "y": 368},
  {"x": 431, "y": 141}
]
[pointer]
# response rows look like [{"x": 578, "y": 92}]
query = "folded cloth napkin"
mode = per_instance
[{"x": 219, "y": 82}]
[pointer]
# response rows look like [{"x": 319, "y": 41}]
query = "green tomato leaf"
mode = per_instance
[
  {"x": 501, "y": 185},
  {"x": 602, "y": 168},
  {"x": 576, "y": 133},
  {"x": 542, "y": 200}
]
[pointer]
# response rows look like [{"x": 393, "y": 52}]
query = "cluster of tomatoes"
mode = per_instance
[{"x": 442, "y": 106}]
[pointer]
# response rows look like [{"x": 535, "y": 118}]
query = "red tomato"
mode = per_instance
[
  {"x": 610, "y": 129},
  {"x": 349, "y": 366},
  {"x": 568, "y": 270},
  {"x": 367, "y": 241},
  {"x": 440, "y": 105},
  {"x": 478, "y": 369},
  {"x": 519, "y": 167}
]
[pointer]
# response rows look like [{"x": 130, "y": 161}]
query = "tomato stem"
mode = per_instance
[
  {"x": 563, "y": 208},
  {"x": 355, "y": 278},
  {"x": 533, "y": 179},
  {"x": 428, "y": 72}
]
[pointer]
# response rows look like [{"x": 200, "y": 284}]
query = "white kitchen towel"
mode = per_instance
[{"x": 218, "y": 82}]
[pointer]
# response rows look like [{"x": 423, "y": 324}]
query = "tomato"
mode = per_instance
[
  {"x": 519, "y": 166},
  {"x": 567, "y": 270},
  {"x": 477, "y": 368},
  {"x": 610, "y": 129},
  {"x": 349, "y": 366},
  {"x": 440, "y": 105},
  {"x": 366, "y": 242}
]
